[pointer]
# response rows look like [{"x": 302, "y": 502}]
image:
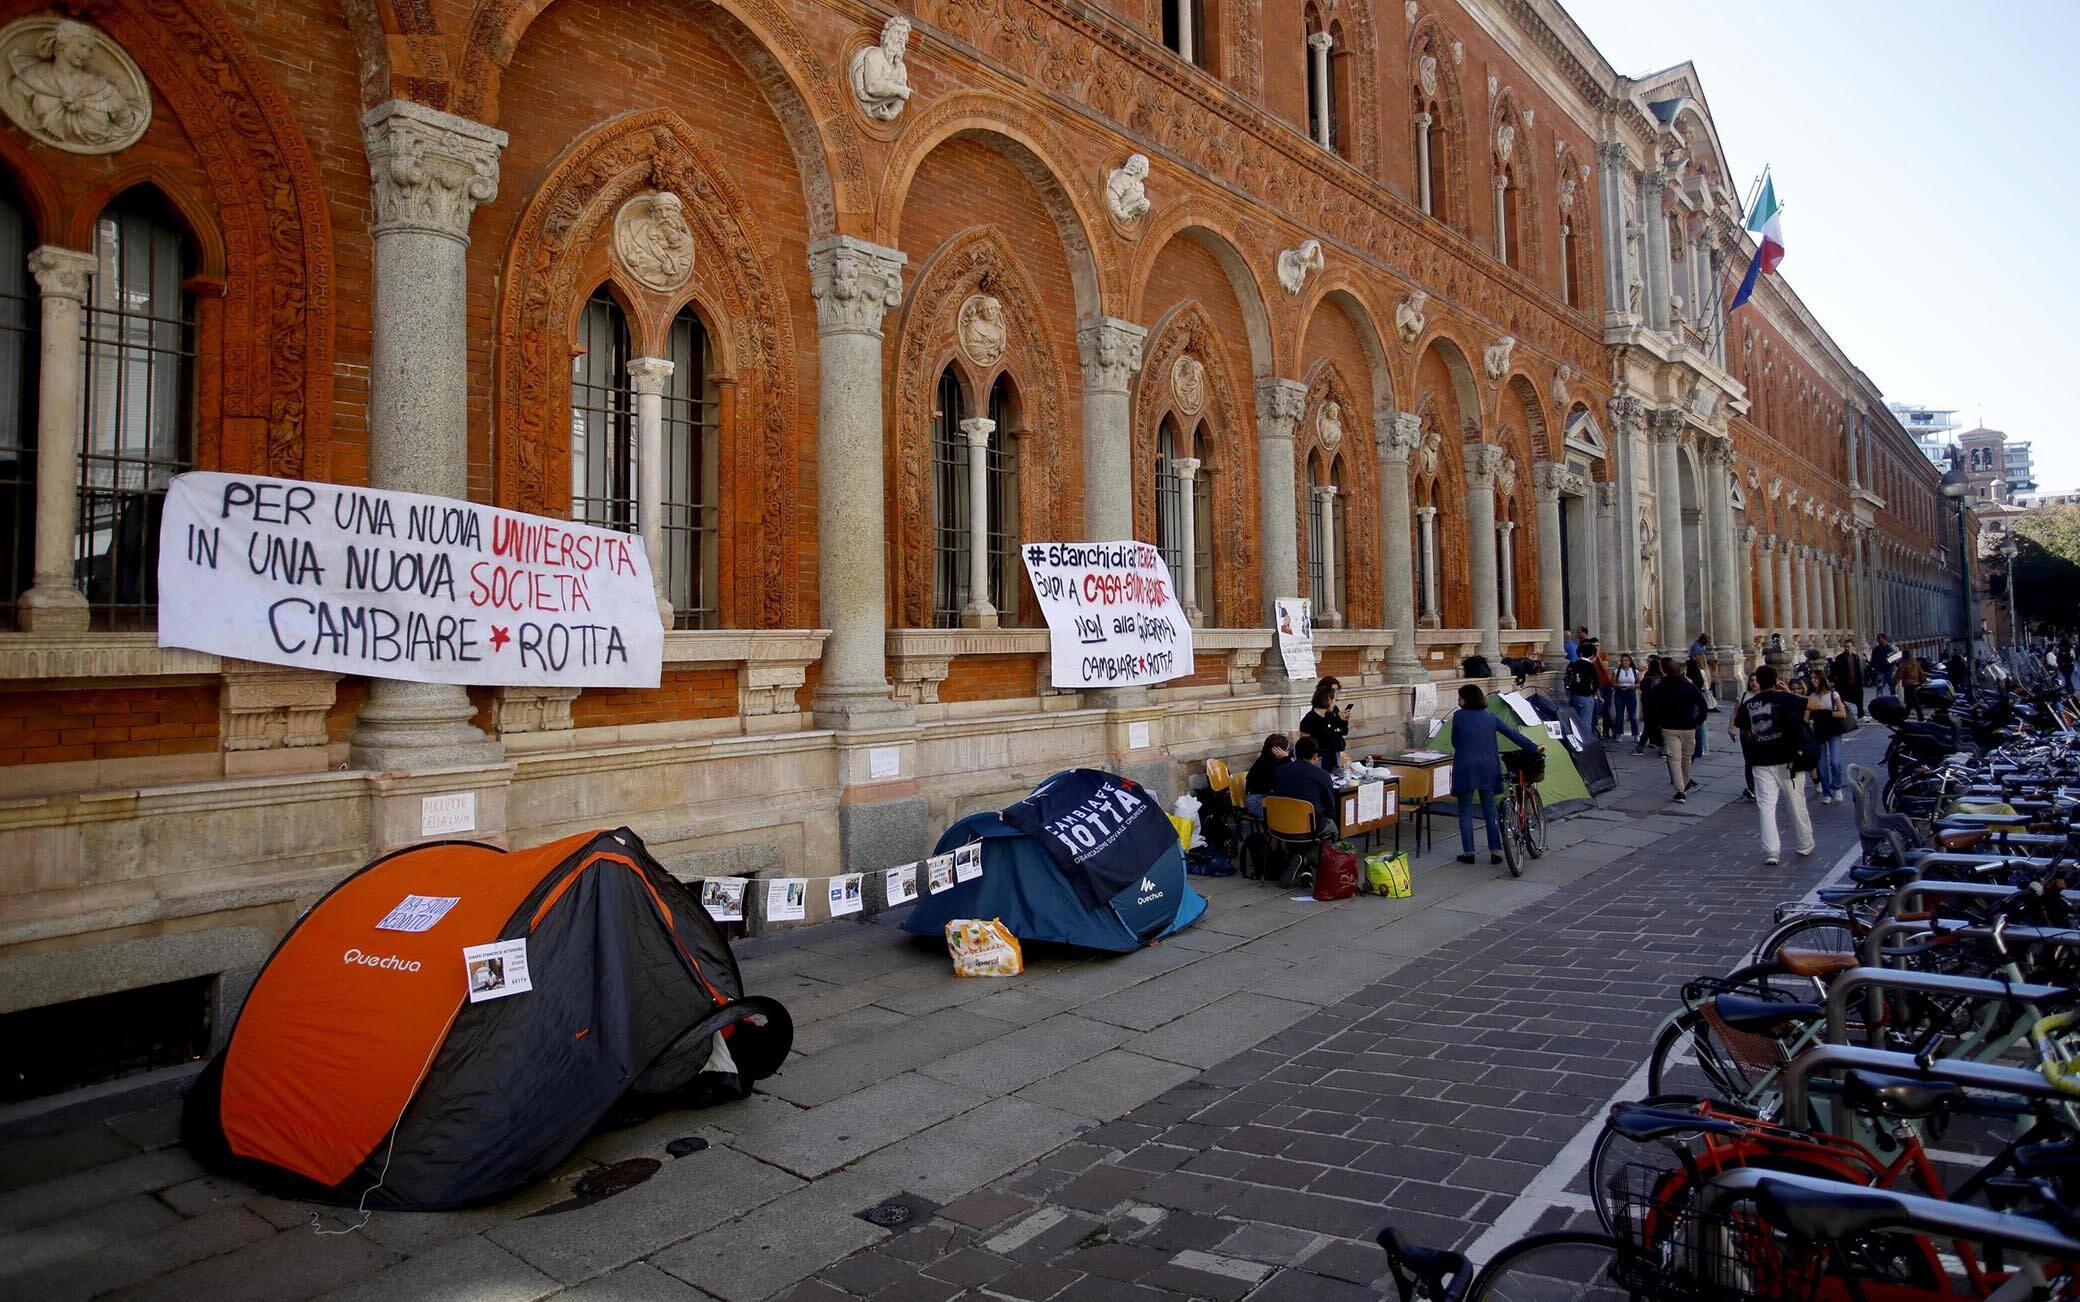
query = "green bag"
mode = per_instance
[{"x": 1387, "y": 874}]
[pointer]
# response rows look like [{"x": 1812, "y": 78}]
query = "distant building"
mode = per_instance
[
  {"x": 2037, "y": 501},
  {"x": 2017, "y": 467},
  {"x": 1985, "y": 453},
  {"x": 1931, "y": 427}
]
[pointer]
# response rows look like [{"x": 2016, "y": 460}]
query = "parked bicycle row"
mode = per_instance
[{"x": 1883, "y": 1103}]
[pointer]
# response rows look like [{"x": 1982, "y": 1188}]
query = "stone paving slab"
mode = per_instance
[{"x": 472, "y": 1267}]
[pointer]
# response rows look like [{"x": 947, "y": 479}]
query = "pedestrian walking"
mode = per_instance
[
  {"x": 1846, "y": 672},
  {"x": 1884, "y": 665},
  {"x": 1700, "y": 648},
  {"x": 1680, "y": 709},
  {"x": 1625, "y": 699},
  {"x": 1747, "y": 754},
  {"x": 1694, "y": 671},
  {"x": 1772, "y": 723},
  {"x": 1913, "y": 676},
  {"x": 1649, "y": 725},
  {"x": 1830, "y": 720},
  {"x": 1477, "y": 766},
  {"x": 1580, "y": 683},
  {"x": 1605, "y": 684}
]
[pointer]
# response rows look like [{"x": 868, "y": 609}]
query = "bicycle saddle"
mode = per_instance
[
  {"x": 1814, "y": 963},
  {"x": 1641, "y": 1122},
  {"x": 1761, "y": 1016},
  {"x": 1828, "y": 1212},
  {"x": 1865, "y": 874},
  {"x": 1899, "y": 1096},
  {"x": 2059, "y": 1159}
]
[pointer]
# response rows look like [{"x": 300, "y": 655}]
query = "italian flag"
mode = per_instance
[{"x": 1763, "y": 219}]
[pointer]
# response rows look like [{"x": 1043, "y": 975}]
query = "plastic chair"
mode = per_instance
[
  {"x": 1295, "y": 829},
  {"x": 1216, "y": 773}
]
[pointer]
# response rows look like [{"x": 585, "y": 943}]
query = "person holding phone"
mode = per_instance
[{"x": 1328, "y": 723}]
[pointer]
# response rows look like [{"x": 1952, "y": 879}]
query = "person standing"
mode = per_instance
[
  {"x": 1846, "y": 670},
  {"x": 1580, "y": 682},
  {"x": 1700, "y": 648},
  {"x": 1570, "y": 645},
  {"x": 1649, "y": 726},
  {"x": 1912, "y": 677},
  {"x": 1328, "y": 723},
  {"x": 1884, "y": 664},
  {"x": 1694, "y": 671},
  {"x": 1747, "y": 752},
  {"x": 1679, "y": 709},
  {"x": 1606, "y": 683},
  {"x": 1773, "y": 727},
  {"x": 1625, "y": 699},
  {"x": 1829, "y": 719},
  {"x": 1477, "y": 766}
]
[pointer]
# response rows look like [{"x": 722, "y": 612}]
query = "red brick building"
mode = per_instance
[{"x": 1403, "y": 307}]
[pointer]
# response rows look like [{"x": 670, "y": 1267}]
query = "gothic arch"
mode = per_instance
[
  {"x": 1198, "y": 221},
  {"x": 1187, "y": 330},
  {"x": 38, "y": 192},
  {"x": 978, "y": 260},
  {"x": 795, "y": 77},
  {"x": 1540, "y": 443},
  {"x": 402, "y": 51},
  {"x": 1353, "y": 296},
  {"x": 1430, "y": 37},
  {"x": 268, "y": 405},
  {"x": 1523, "y": 168},
  {"x": 1359, "y": 485},
  {"x": 551, "y": 249},
  {"x": 1038, "y": 155},
  {"x": 1465, "y": 390}
]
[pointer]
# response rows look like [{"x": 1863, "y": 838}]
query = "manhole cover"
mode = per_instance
[
  {"x": 899, "y": 1212},
  {"x": 689, "y": 1144},
  {"x": 889, "y": 1214},
  {"x": 618, "y": 1178}
]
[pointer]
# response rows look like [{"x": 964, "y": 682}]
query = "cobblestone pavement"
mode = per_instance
[{"x": 1233, "y": 1113}]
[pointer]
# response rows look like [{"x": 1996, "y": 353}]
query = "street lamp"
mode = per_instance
[
  {"x": 2009, "y": 551},
  {"x": 1955, "y": 487}
]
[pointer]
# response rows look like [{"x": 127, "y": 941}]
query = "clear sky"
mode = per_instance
[{"x": 1925, "y": 155}]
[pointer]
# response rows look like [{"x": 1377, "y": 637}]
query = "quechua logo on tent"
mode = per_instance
[{"x": 388, "y": 962}]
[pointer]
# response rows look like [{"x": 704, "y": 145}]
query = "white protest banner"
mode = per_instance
[
  {"x": 401, "y": 585},
  {"x": 1296, "y": 637},
  {"x": 1112, "y": 616}
]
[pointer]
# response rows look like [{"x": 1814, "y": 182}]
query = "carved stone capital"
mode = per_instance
[
  {"x": 917, "y": 678},
  {"x": 1748, "y": 536},
  {"x": 1187, "y": 468},
  {"x": 854, "y": 283},
  {"x": 1626, "y": 412},
  {"x": 1110, "y": 351},
  {"x": 768, "y": 687},
  {"x": 1547, "y": 479},
  {"x": 1398, "y": 434},
  {"x": 1666, "y": 424},
  {"x": 1280, "y": 404},
  {"x": 1483, "y": 462},
  {"x": 1607, "y": 499},
  {"x": 531, "y": 709},
  {"x": 431, "y": 169},
  {"x": 1717, "y": 452},
  {"x": 267, "y": 707},
  {"x": 61, "y": 273},
  {"x": 647, "y": 375},
  {"x": 978, "y": 429},
  {"x": 1324, "y": 493}
]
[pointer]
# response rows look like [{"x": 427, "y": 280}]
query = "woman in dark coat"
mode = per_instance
[
  {"x": 1649, "y": 726},
  {"x": 1328, "y": 725},
  {"x": 1477, "y": 767},
  {"x": 1846, "y": 672},
  {"x": 1258, "y": 784}
]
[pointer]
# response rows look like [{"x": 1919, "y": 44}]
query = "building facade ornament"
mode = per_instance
[
  {"x": 1188, "y": 384},
  {"x": 1126, "y": 189},
  {"x": 652, "y": 241},
  {"x": 1626, "y": 412},
  {"x": 979, "y": 328},
  {"x": 1506, "y": 140},
  {"x": 1110, "y": 350},
  {"x": 1562, "y": 389},
  {"x": 1427, "y": 455},
  {"x": 648, "y": 375},
  {"x": 1398, "y": 433},
  {"x": 854, "y": 284},
  {"x": 71, "y": 86},
  {"x": 1667, "y": 424},
  {"x": 1280, "y": 404},
  {"x": 431, "y": 169},
  {"x": 61, "y": 273},
  {"x": 1547, "y": 477},
  {"x": 1408, "y": 315},
  {"x": 1426, "y": 74},
  {"x": 1328, "y": 425},
  {"x": 1409, "y": 12},
  {"x": 1296, "y": 264},
  {"x": 1483, "y": 462},
  {"x": 880, "y": 76},
  {"x": 1506, "y": 477},
  {"x": 1496, "y": 356}
]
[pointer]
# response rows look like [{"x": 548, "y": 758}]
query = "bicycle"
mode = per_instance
[{"x": 1522, "y": 812}]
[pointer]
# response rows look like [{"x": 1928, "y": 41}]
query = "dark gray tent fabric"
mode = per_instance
[{"x": 1590, "y": 759}]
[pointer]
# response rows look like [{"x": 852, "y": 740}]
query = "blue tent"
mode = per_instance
[{"x": 1027, "y": 886}]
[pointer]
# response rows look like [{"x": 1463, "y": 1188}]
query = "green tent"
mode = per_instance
[{"x": 1562, "y": 788}]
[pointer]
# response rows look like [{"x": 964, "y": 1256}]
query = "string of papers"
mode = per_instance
[{"x": 787, "y": 898}]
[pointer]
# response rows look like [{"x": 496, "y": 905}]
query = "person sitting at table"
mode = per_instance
[
  {"x": 1277, "y": 750},
  {"x": 1304, "y": 778},
  {"x": 1328, "y": 724},
  {"x": 1477, "y": 766}
]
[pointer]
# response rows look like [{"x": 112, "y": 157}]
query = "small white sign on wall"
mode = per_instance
[
  {"x": 1137, "y": 736},
  {"x": 448, "y": 813},
  {"x": 884, "y": 762}
]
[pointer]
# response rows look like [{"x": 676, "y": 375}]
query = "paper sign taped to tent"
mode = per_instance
[
  {"x": 402, "y": 585},
  {"x": 1524, "y": 711},
  {"x": 939, "y": 870},
  {"x": 1113, "y": 619},
  {"x": 845, "y": 894},
  {"x": 787, "y": 899},
  {"x": 1296, "y": 637},
  {"x": 496, "y": 970},
  {"x": 723, "y": 898},
  {"x": 418, "y": 912},
  {"x": 967, "y": 862}
]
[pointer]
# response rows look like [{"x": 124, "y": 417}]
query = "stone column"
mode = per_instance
[
  {"x": 1610, "y": 201},
  {"x": 1185, "y": 25},
  {"x": 1787, "y": 596},
  {"x": 1187, "y": 469},
  {"x": 1318, "y": 52},
  {"x": 648, "y": 376},
  {"x": 1718, "y": 523},
  {"x": 1767, "y": 574},
  {"x": 1627, "y": 571},
  {"x": 978, "y": 612},
  {"x": 1668, "y": 435},
  {"x": 1546, "y": 480},
  {"x": 1433, "y": 605},
  {"x": 1501, "y": 217},
  {"x": 1325, "y": 496},
  {"x": 1279, "y": 406},
  {"x": 1483, "y": 461},
  {"x": 1426, "y": 199},
  {"x": 54, "y": 604},
  {"x": 1111, "y": 353},
  {"x": 1610, "y": 570},
  {"x": 1506, "y": 569},
  {"x": 1656, "y": 272},
  {"x": 1397, "y": 435},
  {"x": 1801, "y": 588},
  {"x": 431, "y": 171},
  {"x": 1744, "y": 628},
  {"x": 854, "y": 284}
]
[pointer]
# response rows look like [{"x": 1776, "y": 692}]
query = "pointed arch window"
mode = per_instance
[
  {"x": 603, "y": 422},
  {"x": 138, "y": 403},
  {"x": 1188, "y": 27},
  {"x": 692, "y": 476},
  {"x": 19, "y": 312},
  {"x": 1326, "y": 537},
  {"x": 1006, "y": 571},
  {"x": 954, "y": 505}
]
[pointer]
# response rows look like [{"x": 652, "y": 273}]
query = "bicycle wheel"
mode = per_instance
[
  {"x": 1561, "y": 1267},
  {"x": 1535, "y": 821},
  {"x": 1513, "y": 852},
  {"x": 1823, "y": 932},
  {"x": 1615, "y": 1161},
  {"x": 1732, "y": 1072}
]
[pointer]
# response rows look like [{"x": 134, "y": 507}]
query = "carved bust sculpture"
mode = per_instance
[
  {"x": 1426, "y": 73},
  {"x": 980, "y": 329},
  {"x": 1505, "y": 140},
  {"x": 1426, "y": 457},
  {"x": 72, "y": 87},
  {"x": 653, "y": 241},
  {"x": 1126, "y": 191},
  {"x": 1506, "y": 477},
  {"x": 1296, "y": 264},
  {"x": 1497, "y": 355},
  {"x": 1328, "y": 425},
  {"x": 880, "y": 79},
  {"x": 1188, "y": 384},
  {"x": 1408, "y": 316}
]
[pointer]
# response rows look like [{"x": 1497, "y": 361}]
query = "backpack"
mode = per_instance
[
  {"x": 1475, "y": 666},
  {"x": 1581, "y": 678}
]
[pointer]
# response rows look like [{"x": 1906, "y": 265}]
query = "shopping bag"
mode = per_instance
[
  {"x": 1187, "y": 808},
  {"x": 1184, "y": 828},
  {"x": 1387, "y": 874},
  {"x": 1336, "y": 878},
  {"x": 982, "y": 948}
]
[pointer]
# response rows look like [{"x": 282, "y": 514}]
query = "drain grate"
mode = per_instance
[
  {"x": 618, "y": 1178},
  {"x": 899, "y": 1213},
  {"x": 687, "y": 1144}
]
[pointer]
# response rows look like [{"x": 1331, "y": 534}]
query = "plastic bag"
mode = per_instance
[
  {"x": 982, "y": 948},
  {"x": 1184, "y": 828},
  {"x": 1336, "y": 877},
  {"x": 1187, "y": 808},
  {"x": 1387, "y": 875}
]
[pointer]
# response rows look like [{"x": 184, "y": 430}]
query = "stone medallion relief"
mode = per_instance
[
  {"x": 71, "y": 87},
  {"x": 652, "y": 240}
]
